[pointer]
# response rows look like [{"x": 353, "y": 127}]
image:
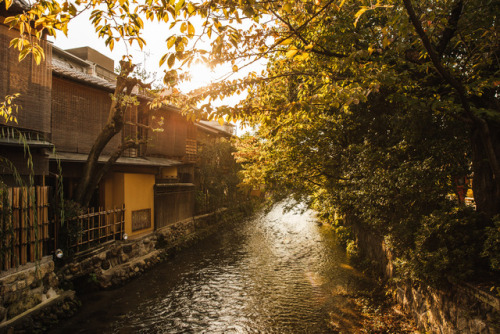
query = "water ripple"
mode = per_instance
[{"x": 277, "y": 273}]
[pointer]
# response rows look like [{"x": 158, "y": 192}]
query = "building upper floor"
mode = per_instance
[{"x": 66, "y": 101}]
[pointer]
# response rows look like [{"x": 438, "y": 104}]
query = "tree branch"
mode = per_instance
[
  {"x": 450, "y": 30},
  {"x": 296, "y": 32},
  {"x": 482, "y": 125},
  {"x": 97, "y": 177}
]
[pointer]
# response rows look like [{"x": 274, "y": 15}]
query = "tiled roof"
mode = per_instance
[
  {"x": 62, "y": 69},
  {"x": 213, "y": 127},
  {"x": 146, "y": 161}
]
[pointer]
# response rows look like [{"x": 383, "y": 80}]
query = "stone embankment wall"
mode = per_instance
[
  {"x": 25, "y": 287},
  {"x": 32, "y": 298},
  {"x": 115, "y": 263},
  {"x": 461, "y": 309}
]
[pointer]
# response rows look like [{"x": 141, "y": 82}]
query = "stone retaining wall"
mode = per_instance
[
  {"x": 26, "y": 287},
  {"x": 461, "y": 309},
  {"x": 113, "y": 264}
]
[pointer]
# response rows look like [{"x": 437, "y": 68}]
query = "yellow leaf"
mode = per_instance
[
  {"x": 287, "y": 7},
  {"x": 171, "y": 60},
  {"x": 359, "y": 13},
  {"x": 386, "y": 42},
  {"x": 190, "y": 29},
  {"x": 37, "y": 57},
  {"x": 14, "y": 43},
  {"x": 8, "y": 3},
  {"x": 179, "y": 5},
  {"x": 171, "y": 41},
  {"x": 287, "y": 41},
  {"x": 235, "y": 68},
  {"x": 221, "y": 120},
  {"x": 163, "y": 59},
  {"x": 291, "y": 53},
  {"x": 303, "y": 56}
]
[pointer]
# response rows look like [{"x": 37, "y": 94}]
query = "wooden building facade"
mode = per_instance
[
  {"x": 63, "y": 105},
  {"x": 80, "y": 108}
]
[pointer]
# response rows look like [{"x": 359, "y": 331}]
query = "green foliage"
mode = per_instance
[
  {"x": 70, "y": 230},
  {"x": 448, "y": 242},
  {"x": 8, "y": 109},
  {"x": 492, "y": 244},
  {"x": 217, "y": 177},
  {"x": 391, "y": 161},
  {"x": 7, "y": 235}
]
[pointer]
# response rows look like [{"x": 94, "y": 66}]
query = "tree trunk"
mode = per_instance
[
  {"x": 90, "y": 169},
  {"x": 486, "y": 186},
  {"x": 119, "y": 105},
  {"x": 97, "y": 176}
]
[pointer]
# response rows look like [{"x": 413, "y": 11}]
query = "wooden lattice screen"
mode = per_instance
[
  {"x": 95, "y": 228},
  {"x": 24, "y": 225}
]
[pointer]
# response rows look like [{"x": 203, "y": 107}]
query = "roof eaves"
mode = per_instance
[
  {"x": 81, "y": 77},
  {"x": 124, "y": 161},
  {"x": 214, "y": 130},
  {"x": 28, "y": 142}
]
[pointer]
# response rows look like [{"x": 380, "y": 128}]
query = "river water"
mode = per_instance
[{"x": 274, "y": 273}]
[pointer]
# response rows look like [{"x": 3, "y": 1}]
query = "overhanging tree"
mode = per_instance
[{"x": 442, "y": 51}]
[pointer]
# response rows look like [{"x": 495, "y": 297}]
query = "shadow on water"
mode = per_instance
[{"x": 275, "y": 273}]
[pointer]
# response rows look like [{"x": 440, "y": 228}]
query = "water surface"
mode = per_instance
[{"x": 275, "y": 273}]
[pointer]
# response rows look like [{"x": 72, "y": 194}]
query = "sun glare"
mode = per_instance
[{"x": 201, "y": 76}]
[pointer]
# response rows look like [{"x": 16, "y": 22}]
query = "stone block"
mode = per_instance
[
  {"x": 9, "y": 279},
  {"x": 127, "y": 249},
  {"x": 477, "y": 326},
  {"x": 105, "y": 265},
  {"x": 39, "y": 275},
  {"x": 124, "y": 258},
  {"x": 462, "y": 324},
  {"x": 30, "y": 279},
  {"x": 75, "y": 268}
]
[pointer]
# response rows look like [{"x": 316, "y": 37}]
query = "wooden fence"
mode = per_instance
[
  {"x": 97, "y": 227},
  {"x": 25, "y": 229},
  {"x": 173, "y": 203}
]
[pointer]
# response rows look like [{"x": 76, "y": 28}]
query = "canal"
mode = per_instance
[{"x": 275, "y": 273}]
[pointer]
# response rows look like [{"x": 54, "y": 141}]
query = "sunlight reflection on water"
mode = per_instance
[{"x": 275, "y": 273}]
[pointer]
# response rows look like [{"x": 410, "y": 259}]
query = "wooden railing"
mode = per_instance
[
  {"x": 25, "y": 230},
  {"x": 95, "y": 228}
]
